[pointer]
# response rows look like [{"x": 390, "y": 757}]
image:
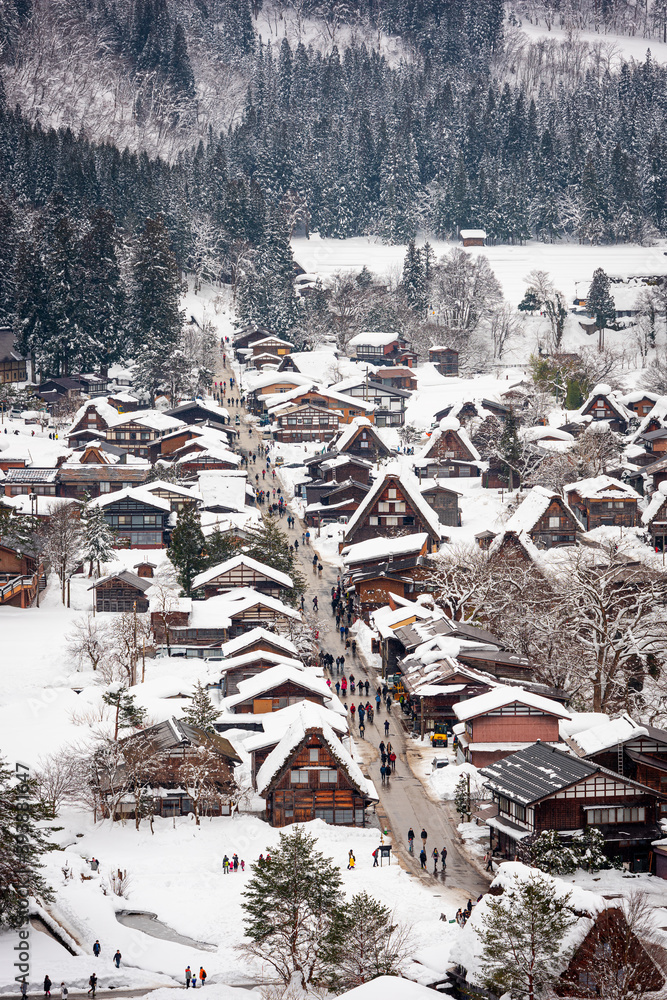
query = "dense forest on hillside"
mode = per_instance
[{"x": 467, "y": 128}]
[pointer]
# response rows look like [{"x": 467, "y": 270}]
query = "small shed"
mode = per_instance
[
  {"x": 124, "y": 591},
  {"x": 473, "y": 237}
]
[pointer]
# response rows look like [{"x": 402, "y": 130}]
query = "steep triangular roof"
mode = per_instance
[
  {"x": 533, "y": 506},
  {"x": 297, "y": 734},
  {"x": 282, "y": 579},
  {"x": 450, "y": 425},
  {"x": 349, "y": 435},
  {"x": 410, "y": 487}
]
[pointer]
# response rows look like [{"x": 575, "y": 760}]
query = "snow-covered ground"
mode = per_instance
[{"x": 177, "y": 875}]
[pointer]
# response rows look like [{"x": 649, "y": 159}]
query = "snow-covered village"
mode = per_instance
[{"x": 333, "y": 499}]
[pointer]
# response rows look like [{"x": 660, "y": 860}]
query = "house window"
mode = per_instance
[
  {"x": 617, "y": 814},
  {"x": 326, "y": 814},
  {"x": 374, "y": 520},
  {"x": 391, "y": 520},
  {"x": 554, "y": 522},
  {"x": 105, "y": 487},
  {"x": 408, "y": 520},
  {"x": 503, "y": 804},
  {"x": 299, "y": 777},
  {"x": 520, "y": 813},
  {"x": 328, "y": 776},
  {"x": 314, "y": 755},
  {"x": 391, "y": 494},
  {"x": 619, "y": 505},
  {"x": 345, "y": 816}
]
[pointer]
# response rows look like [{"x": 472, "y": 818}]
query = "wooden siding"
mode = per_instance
[
  {"x": 118, "y": 595},
  {"x": 391, "y": 515},
  {"x": 556, "y": 526},
  {"x": 448, "y": 445}
]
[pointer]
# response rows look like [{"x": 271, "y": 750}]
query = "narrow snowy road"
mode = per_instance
[{"x": 404, "y": 800}]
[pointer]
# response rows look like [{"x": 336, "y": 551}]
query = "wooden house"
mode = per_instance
[
  {"x": 21, "y": 482},
  {"x": 277, "y": 687},
  {"x": 337, "y": 502},
  {"x": 13, "y": 367},
  {"x": 242, "y": 571},
  {"x": 362, "y": 440},
  {"x": 311, "y": 775},
  {"x": 160, "y": 763},
  {"x": 655, "y": 443},
  {"x": 249, "y": 336},
  {"x": 236, "y": 670},
  {"x": 203, "y": 456},
  {"x": 211, "y": 623},
  {"x": 198, "y": 412},
  {"x": 445, "y": 359},
  {"x": 14, "y": 563},
  {"x": 503, "y": 720},
  {"x": 449, "y": 452},
  {"x": 76, "y": 480},
  {"x": 306, "y": 423},
  {"x": 376, "y": 348},
  {"x": 389, "y": 402},
  {"x": 541, "y": 787},
  {"x": 473, "y": 237},
  {"x": 122, "y": 591},
  {"x": 139, "y": 520},
  {"x": 260, "y": 640},
  {"x": 636, "y": 750},
  {"x": 603, "y": 500},
  {"x": 272, "y": 345},
  {"x": 340, "y": 468},
  {"x": 434, "y": 688},
  {"x": 640, "y": 403},
  {"x": 444, "y": 502},
  {"x": 374, "y": 569},
  {"x": 347, "y": 407},
  {"x": 274, "y": 725},
  {"x": 145, "y": 569},
  {"x": 603, "y": 948},
  {"x": 546, "y": 519},
  {"x": 396, "y": 377},
  {"x": 654, "y": 517},
  {"x": 135, "y": 432},
  {"x": 604, "y": 404},
  {"x": 393, "y": 507},
  {"x": 176, "y": 496},
  {"x": 91, "y": 421},
  {"x": 656, "y": 471}
]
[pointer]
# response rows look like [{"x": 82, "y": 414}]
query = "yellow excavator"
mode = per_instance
[{"x": 439, "y": 735}]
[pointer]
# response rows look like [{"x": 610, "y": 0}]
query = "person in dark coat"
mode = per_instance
[
  {"x": 117, "y": 957},
  {"x": 422, "y": 857},
  {"x": 96, "y": 949},
  {"x": 47, "y": 986}
]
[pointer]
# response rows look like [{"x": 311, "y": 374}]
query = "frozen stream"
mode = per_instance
[{"x": 140, "y": 920}]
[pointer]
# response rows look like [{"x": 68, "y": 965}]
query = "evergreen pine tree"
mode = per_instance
[
  {"x": 103, "y": 295},
  {"x": 462, "y": 798},
  {"x": 98, "y": 537},
  {"x": 187, "y": 549},
  {"x": 270, "y": 545},
  {"x": 155, "y": 314},
  {"x": 378, "y": 948},
  {"x": 290, "y": 904},
  {"x": 180, "y": 74},
  {"x": 266, "y": 293},
  {"x": 8, "y": 242},
  {"x": 127, "y": 714},
  {"x": 522, "y": 937},
  {"x": 599, "y": 302},
  {"x": 220, "y": 546},
  {"x": 509, "y": 448},
  {"x": 414, "y": 279},
  {"x": 201, "y": 712},
  {"x": 22, "y": 843}
]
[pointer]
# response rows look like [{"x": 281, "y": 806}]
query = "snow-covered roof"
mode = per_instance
[
  {"x": 602, "y": 389},
  {"x": 139, "y": 493},
  {"x": 410, "y": 486},
  {"x": 282, "y": 673},
  {"x": 532, "y": 508},
  {"x": 163, "y": 484},
  {"x": 381, "y": 548},
  {"x": 501, "y": 696},
  {"x": 141, "y": 583},
  {"x": 467, "y": 947},
  {"x": 605, "y": 735},
  {"x": 276, "y": 724},
  {"x": 255, "y": 635},
  {"x": 658, "y": 497},
  {"x": 386, "y": 618},
  {"x": 218, "y": 490},
  {"x": 101, "y": 405},
  {"x": 282, "y": 579},
  {"x": 452, "y": 424},
  {"x": 601, "y": 488},
  {"x": 247, "y": 659},
  {"x": 350, "y": 430},
  {"x": 155, "y": 419},
  {"x": 472, "y": 234},
  {"x": 217, "y": 611},
  {"x": 542, "y": 434},
  {"x": 373, "y": 339},
  {"x": 389, "y": 988},
  {"x": 297, "y": 732}
]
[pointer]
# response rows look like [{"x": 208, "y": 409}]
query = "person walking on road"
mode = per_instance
[
  {"x": 202, "y": 975},
  {"x": 435, "y": 855},
  {"x": 386, "y": 727},
  {"x": 488, "y": 857},
  {"x": 47, "y": 986},
  {"x": 378, "y": 700},
  {"x": 424, "y": 836},
  {"x": 411, "y": 840},
  {"x": 117, "y": 957},
  {"x": 92, "y": 983},
  {"x": 422, "y": 857},
  {"x": 188, "y": 977},
  {"x": 392, "y": 760},
  {"x": 443, "y": 855},
  {"x": 96, "y": 949},
  {"x": 352, "y": 711}
]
